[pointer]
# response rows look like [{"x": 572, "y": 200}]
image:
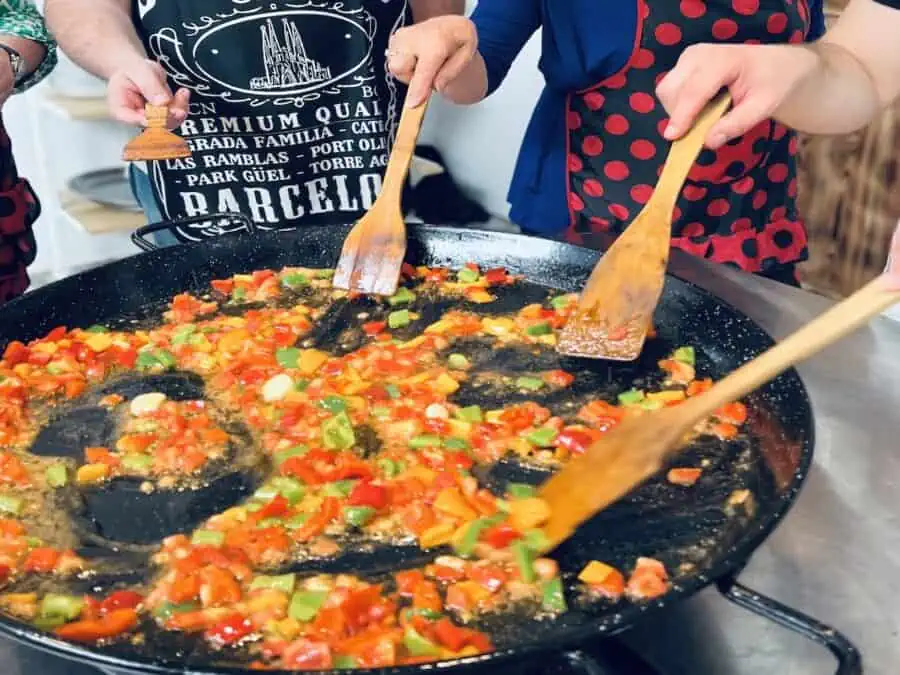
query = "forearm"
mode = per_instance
[
  {"x": 470, "y": 86},
  {"x": 428, "y": 9},
  {"x": 98, "y": 35},
  {"x": 838, "y": 97},
  {"x": 857, "y": 74}
]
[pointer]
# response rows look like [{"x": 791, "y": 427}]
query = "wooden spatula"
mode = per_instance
[
  {"x": 373, "y": 251},
  {"x": 637, "y": 448},
  {"x": 156, "y": 142},
  {"x": 616, "y": 307}
]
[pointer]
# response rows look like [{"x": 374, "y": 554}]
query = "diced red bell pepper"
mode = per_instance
[
  {"x": 374, "y": 327},
  {"x": 230, "y": 630},
  {"x": 366, "y": 494},
  {"x": 15, "y": 353},
  {"x": 278, "y": 507},
  {"x": 559, "y": 378},
  {"x": 41, "y": 560},
  {"x": 496, "y": 276},
  {"x": 121, "y": 600},
  {"x": 576, "y": 441},
  {"x": 305, "y": 654},
  {"x": 408, "y": 581},
  {"x": 451, "y": 636},
  {"x": 111, "y": 625},
  {"x": 426, "y": 596},
  {"x": 489, "y": 576},
  {"x": 224, "y": 286},
  {"x": 501, "y": 536}
]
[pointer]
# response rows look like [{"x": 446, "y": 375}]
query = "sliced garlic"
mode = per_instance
[
  {"x": 145, "y": 404},
  {"x": 277, "y": 388},
  {"x": 436, "y": 411}
]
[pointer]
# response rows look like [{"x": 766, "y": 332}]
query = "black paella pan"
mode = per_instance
[{"x": 689, "y": 531}]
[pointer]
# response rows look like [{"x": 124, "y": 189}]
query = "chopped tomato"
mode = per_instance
[
  {"x": 224, "y": 286},
  {"x": 15, "y": 353},
  {"x": 496, "y": 276},
  {"x": 451, "y": 636},
  {"x": 426, "y": 596},
  {"x": 725, "y": 431},
  {"x": 218, "y": 587},
  {"x": 601, "y": 415},
  {"x": 111, "y": 625},
  {"x": 279, "y": 506},
  {"x": 491, "y": 577},
  {"x": 698, "y": 387}
]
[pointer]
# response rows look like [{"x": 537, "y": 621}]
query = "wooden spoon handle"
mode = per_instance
[
  {"x": 402, "y": 150},
  {"x": 684, "y": 152},
  {"x": 837, "y": 322}
]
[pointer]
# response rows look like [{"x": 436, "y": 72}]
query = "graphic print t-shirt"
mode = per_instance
[{"x": 292, "y": 108}]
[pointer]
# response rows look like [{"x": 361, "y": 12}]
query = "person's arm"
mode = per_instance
[
  {"x": 833, "y": 86},
  {"x": 428, "y": 9},
  {"x": 100, "y": 37},
  {"x": 22, "y": 29},
  {"x": 463, "y": 60}
]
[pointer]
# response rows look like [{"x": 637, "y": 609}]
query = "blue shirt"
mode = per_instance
[{"x": 582, "y": 43}]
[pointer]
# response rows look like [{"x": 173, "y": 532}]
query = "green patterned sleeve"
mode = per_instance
[{"x": 22, "y": 19}]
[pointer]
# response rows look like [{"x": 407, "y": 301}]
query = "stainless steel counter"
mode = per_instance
[{"x": 836, "y": 556}]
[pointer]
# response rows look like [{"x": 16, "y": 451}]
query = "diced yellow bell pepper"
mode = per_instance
[
  {"x": 493, "y": 416},
  {"x": 232, "y": 341},
  {"x": 667, "y": 396},
  {"x": 459, "y": 428},
  {"x": 550, "y": 339},
  {"x": 99, "y": 342},
  {"x": 439, "y": 327},
  {"x": 521, "y": 447},
  {"x": 438, "y": 535},
  {"x": 91, "y": 473},
  {"x": 595, "y": 573},
  {"x": 45, "y": 347},
  {"x": 527, "y": 514},
  {"x": 415, "y": 342},
  {"x": 480, "y": 297},
  {"x": 475, "y": 592},
  {"x": 311, "y": 360},
  {"x": 423, "y": 473},
  {"x": 451, "y": 501},
  {"x": 418, "y": 379},
  {"x": 289, "y": 629},
  {"x": 499, "y": 327},
  {"x": 446, "y": 384}
]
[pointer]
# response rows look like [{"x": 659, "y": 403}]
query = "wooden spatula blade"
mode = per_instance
[
  {"x": 156, "y": 142},
  {"x": 616, "y": 307}
]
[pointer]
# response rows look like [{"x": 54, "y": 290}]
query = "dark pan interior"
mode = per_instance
[{"x": 686, "y": 529}]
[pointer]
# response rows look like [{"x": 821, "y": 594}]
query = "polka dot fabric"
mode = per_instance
[
  {"x": 19, "y": 208},
  {"x": 738, "y": 206}
]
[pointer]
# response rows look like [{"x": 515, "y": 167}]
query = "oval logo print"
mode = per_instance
[{"x": 282, "y": 53}]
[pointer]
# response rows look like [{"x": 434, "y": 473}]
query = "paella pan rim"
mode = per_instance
[{"x": 579, "y": 262}]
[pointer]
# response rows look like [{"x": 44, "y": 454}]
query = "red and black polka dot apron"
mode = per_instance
[
  {"x": 739, "y": 204},
  {"x": 19, "y": 208}
]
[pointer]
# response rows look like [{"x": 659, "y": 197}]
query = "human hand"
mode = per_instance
[
  {"x": 140, "y": 82},
  {"x": 431, "y": 54},
  {"x": 760, "y": 79}
]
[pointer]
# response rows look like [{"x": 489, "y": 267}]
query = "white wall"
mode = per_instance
[{"x": 481, "y": 143}]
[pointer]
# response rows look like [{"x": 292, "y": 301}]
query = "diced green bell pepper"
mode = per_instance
[
  {"x": 456, "y": 444},
  {"x": 399, "y": 319},
  {"x": 524, "y": 558},
  {"x": 553, "y": 597},
  {"x": 529, "y": 383},
  {"x": 417, "y": 645},
  {"x": 11, "y": 505},
  {"x": 341, "y": 488},
  {"x": 520, "y": 490},
  {"x": 358, "y": 516},
  {"x": 470, "y": 413},
  {"x": 294, "y": 280},
  {"x": 543, "y": 437},
  {"x": 393, "y": 390},
  {"x": 425, "y": 441},
  {"x": 403, "y": 296},
  {"x": 284, "y": 455},
  {"x": 560, "y": 302},
  {"x": 136, "y": 462},
  {"x": 631, "y": 397},
  {"x": 539, "y": 329},
  {"x": 685, "y": 355},
  {"x": 57, "y": 475},
  {"x": 67, "y": 607},
  {"x": 457, "y": 361},
  {"x": 165, "y": 611},
  {"x": 289, "y": 488},
  {"x": 306, "y": 604},
  {"x": 337, "y": 432},
  {"x": 333, "y": 404},
  {"x": 97, "y": 328},
  {"x": 281, "y": 582},
  {"x": 287, "y": 357},
  {"x": 467, "y": 276},
  {"x": 208, "y": 538}
]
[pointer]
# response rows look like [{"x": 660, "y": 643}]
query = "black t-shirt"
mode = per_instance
[
  {"x": 890, "y": 3},
  {"x": 292, "y": 107}
]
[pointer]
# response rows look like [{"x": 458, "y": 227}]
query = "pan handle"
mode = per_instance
[
  {"x": 847, "y": 655},
  {"x": 139, "y": 236}
]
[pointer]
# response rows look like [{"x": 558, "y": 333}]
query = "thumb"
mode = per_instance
[{"x": 150, "y": 79}]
